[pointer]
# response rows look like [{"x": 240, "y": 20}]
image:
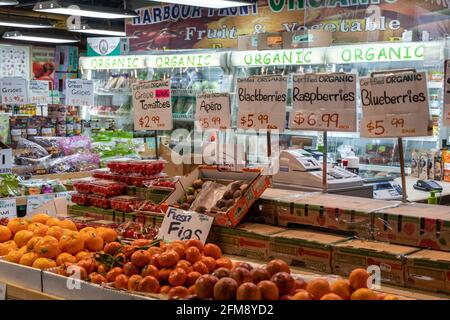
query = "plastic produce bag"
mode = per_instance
[
  {"x": 75, "y": 144},
  {"x": 28, "y": 152},
  {"x": 74, "y": 163},
  {"x": 51, "y": 144}
]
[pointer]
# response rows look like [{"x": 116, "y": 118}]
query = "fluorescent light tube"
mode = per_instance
[
  {"x": 20, "y": 22},
  {"x": 81, "y": 10},
  {"x": 37, "y": 37},
  {"x": 8, "y": 2},
  {"x": 215, "y": 4},
  {"x": 98, "y": 29}
]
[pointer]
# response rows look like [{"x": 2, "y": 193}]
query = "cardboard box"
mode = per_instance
[
  {"x": 428, "y": 270},
  {"x": 247, "y": 43},
  {"x": 307, "y": 39},
  {"x": 420, "y": 225},
  {"x": 20, "y": 275},
  {"x": 353, "y": 254},
  {"x": 250, "y": 240},
  {"x": 270, "y": 41},
  {"x": 257, "y": 183},
  {"x": 311, "y": 250}
]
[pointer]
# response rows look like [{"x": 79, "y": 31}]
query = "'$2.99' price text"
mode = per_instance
[
  {"x": 145, "y": 121},
  {"x": 378, "y": 127},
  {"x": 327, "y": 120},
  {"x": 251, "y": 120}
]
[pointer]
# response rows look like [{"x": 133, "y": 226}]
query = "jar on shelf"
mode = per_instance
[
  {"x": 47, "y": 131},
  {"x": 77, "y": 126},
  {"x": 61, "y": 127},
  {"x": 69, "y": 127}
]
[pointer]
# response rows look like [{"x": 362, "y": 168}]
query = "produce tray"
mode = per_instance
[{"x": 20, "y": 275}]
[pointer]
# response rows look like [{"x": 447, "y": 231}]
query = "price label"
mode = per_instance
[
  {"x": 262, "y": 102},
  {"x": 34, "y": 203},
  {"x": 39, "y": 92},
  {"x": 395, "y": 105},
  {"x": 152, "y": 105},
  {"x": 8, "y": 209},
  {"x": 446, "y": 117},
  {"x": 79, "y": 92},
  {"x": 14, "y": 91},
  {"x": 213, "y": 111},
  {"x": 324, "y": 102},
  {"x": 184, "y": 225}
]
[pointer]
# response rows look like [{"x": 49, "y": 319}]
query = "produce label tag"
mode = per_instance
[
  {"x": 8, "y": 209},
  {"x": 262, "y": 102},
  {"x": 39, "y": 202},
  {"x": 39, "y": 92},
  {"x": 152, "y": 105},
  {"x": 14, "y": 90},
  {"x": 79, "y": 92},
  {"x": 213, "y": 111},
  {"x": 446, "y": 117},
  {"x": 184, "y": 225},
  {"x": 324, "y": 102},
  {"x": 395, "y": 105}
]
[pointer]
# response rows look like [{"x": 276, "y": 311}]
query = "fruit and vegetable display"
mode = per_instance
[{"x": 12, "y": 185}]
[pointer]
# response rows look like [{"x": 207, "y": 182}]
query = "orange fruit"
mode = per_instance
[
  {"x": 28, "y": 259},
  {"x": 200, "y": 267},
  {"x": 341, "y": 288},
  {"x": 13, "y": 256},
  {"x": 17, "y": 225},
  {"x": 92, "y": 241},
  {"x": 5, "y": 234},
  {"x": 269, "y": 290},
  {"x": 390, "y": 297},
  {"x": 248, "y": 291},
  {"x": 140, "y": 258},
  {"x": 177, "y": 277},
  {"x": 193, "y": 254},
  {"x": 23, "y": 250},
  {"x": 210, "y": 263},
  {"x": 331, "y": 296},
  {"x": 186, "y": 265},
  {"x": 192, "y": 277},
  {"x": 224, "y": 263},
  {"x": 86, "y": 229},
  {"x": 195, "y": 243},
  {"x": 317, "y": 288},
  {"x": 4, "y": 249},
  {"x": 178, "y": 248},
  {"x": 212, "y": 250},
  {"x": 148, "y": 284},
  {"x": 301, "y": 295},
  {"x": 154, "y": 250},
  {"x": 47, "y": 247},
  {"x": 40, "y": 218},
  {"x": 65, "y": 257},
  {"x": 150, "y": 270},
  {"x": 22, "y": 237},
  {"x": 55, "y": 231},
  {"x": 364, "y": 294},
  {"x": 168, "y": 258},
  {"x": 52, "y": 222},
  {"x": 38, "y": 229},
  {"x": 277, "y": 265},
  {"x": 358, "y": 278},
  {"x": 32, "y": 242},
  {"x": 178, "y": 292},
  {"x": 164, "y": 289},
  {"x": 44, "y": 263},
  {"x": 68, "y": 224},
  {"x": 107, "y": 234},
  {"x": 71, "y": 243},
  {"x": 82, "y": 255},
  {"x": 12, "y": 244}
]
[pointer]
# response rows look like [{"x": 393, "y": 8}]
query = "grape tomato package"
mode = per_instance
[
  {"x": 99, "y": 201},
  {"x": 124, "y": 203},
  {"x": 107, "y": 188},
  {"x": 81, "y": 199}
]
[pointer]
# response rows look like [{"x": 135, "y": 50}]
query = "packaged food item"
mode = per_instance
[
  {"x": 81, "y": 199},
  {"x": 99, "y": 201},
  {"x": 69, "y": 127},
  {"x": 82, "y": 186},
  {"x": 146, "y": 168},
  {"x": 107, "y": 188},
  {"x": 164, "y": 183},
  {"x": 124, "y": 203},
  {"x": 74, "y": 163},
  {"x": 47, "y": 131}
]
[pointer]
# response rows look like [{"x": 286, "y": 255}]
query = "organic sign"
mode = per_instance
[
  {"x": 324, "y": 102},
  {"x": 184, "y": 225},
  {"x": 116, "y": 62},
  {"x": 446, "y": 117},
  {"x": 39, "y": 92},
  {"x": 13, "y": 90},
  {"x": 213, "y": 111},
  {"x": 8, "y": 209},
  {"x": 395, "y": 105},
  {"x": 198, "y": 60},
  {"x": 79, "y": 92},
  {"x": 262, "y": 102},
  {"x": 152, "y": 105}
]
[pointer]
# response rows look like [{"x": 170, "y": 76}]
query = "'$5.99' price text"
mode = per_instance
[
  {"x": 205, "y": 122},
  {"x": 327, "y": 120},
  {"x": 250, "y": 120},
  {"x": 146, "y": 121},
  {"x": 378, "y": 127}
]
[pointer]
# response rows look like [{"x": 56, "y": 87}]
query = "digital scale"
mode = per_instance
[{"x": 386, "y": 189}]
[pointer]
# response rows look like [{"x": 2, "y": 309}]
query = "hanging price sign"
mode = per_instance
[
  {"x": 213, "y": 111},
  {"x": 152, "y": 105},
  {"x": 39, "y": 92},
  {"x": 79, "y": 92},
  {"x": 262, "y": 102},
  {"x": 323, "y": 102},
  {"x": 14, "y": 91},
  {"x": 446, "y": 117},
  {"x": 395, "y": 105}
]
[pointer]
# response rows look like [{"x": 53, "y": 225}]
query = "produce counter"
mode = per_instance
[
  {"x": 15, "y": 292},
  {"x": 422, "y": 196}
]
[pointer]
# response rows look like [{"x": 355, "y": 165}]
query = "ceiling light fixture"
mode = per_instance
[
  {"x": 8, "y": 2},
  {"x": 214, "y": 4},
  {"x": 81, "y": 10},
  {"x": 37, "y": 37},
  {"x": 98, "y": 29},
  {"x": 22, "y": 22}
]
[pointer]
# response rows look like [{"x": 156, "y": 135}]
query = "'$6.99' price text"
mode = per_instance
[
  {"x": 312, "y": 120},
  {"x": 145, "y": 121}
]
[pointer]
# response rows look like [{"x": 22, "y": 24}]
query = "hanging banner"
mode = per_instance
[
  {"x": 262, "y": 102},
  {"x": 14, "y": 91},
  {"x": 39, "y": 92},
  {"x": 446, "y": 116},
  {"x": 43, "y": 60},
  {"x": 395, "y": 105},
  {"x": 324, "y": 102},
  {"x": 152, "y": 105},
  {"x": 79, "y": 92},
  {"x": 213, "y": 111}
]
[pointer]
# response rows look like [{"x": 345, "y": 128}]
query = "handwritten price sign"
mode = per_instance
[
  {"x": 446, "y": 117},
  {"x": 14, "y": 91},
  {"x": 324, "y": 102},
  {"x": 395, "y": 105},
  {"x": 212, "y": 111},
  {"x": 39, "y": 92},
  {"x": 262, "y": 102},
  {"x": 79, "y": 92},
  {"x": 152, "y": 105}
]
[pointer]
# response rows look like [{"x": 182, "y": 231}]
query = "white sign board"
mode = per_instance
[
  {"x": 42, "y": 203},
  {"x": 395, "y": 105},
  {"x": 446, "y": 116},
  {"x": 324, "y": 102},
  {"x": 13, "y": 90},
  {"x": 8, "y": 209},
  {"x": 262, "y": 102},
  {"x": 213, "y": 111},
  {"x": 152, "y": 105},
  {"x": 184, "y": 225},
  {"x": 39, "y": 92},
  {"x": 79, "y": 92}
]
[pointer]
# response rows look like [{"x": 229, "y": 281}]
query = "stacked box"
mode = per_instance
[
  {"x": 306, "y": 249},
  {"x": 428, "y": 270},
  {"x": 390, "y": 258}
]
